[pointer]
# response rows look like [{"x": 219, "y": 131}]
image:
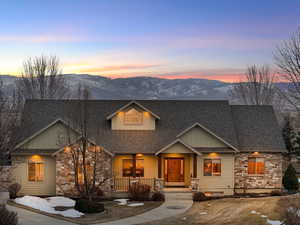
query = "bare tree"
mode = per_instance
[
  {"x": 85, "y": 154},
  {"x": 42, "y": 79},
  {"x": 258, "y": 87},
  {"x": 287, "y": 58},
  {"x": 9, "y": 124}
]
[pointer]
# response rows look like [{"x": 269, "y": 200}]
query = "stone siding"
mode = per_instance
[
  {"x": 272, "y": 179},
  {"x": 6, "y": 177},
  {"x": 65, "y": 175}
]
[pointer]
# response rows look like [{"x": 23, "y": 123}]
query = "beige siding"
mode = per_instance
[
  {"x": 54, "y": 137},
  {"x": 197, "y": 137},
  {"x": 45, "y": 187},
  {"x": 150, "y": 165},
  {"x": 223, "y": 183},
  {"x": 117, "y": 122}
]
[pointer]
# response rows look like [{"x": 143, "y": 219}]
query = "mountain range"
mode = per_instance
[{"x": 142, "y": 87}]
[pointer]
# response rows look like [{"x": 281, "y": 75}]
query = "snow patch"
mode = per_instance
[
  {"x": 122, "y": 201},
  {"x": 253, "y": 212},
  {"x": 47, "y": 205},
  {"x": 135, "y": 204},
  {"x": 274, "y": 222},
  {"x": 61, "y": 201}
]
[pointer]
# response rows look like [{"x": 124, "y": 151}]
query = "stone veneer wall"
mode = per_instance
[
  {"x": 65, "y": 182},
  {"x": 272, "y": 179},
  {"x": 6, "y": 177}
]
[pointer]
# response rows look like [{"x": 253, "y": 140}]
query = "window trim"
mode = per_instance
[
  {"x": 133, "y": 124},
  {"x": 256, "y": 174},
  {"x": 44, "y": 168},
  {"x": 212, "y": 174}
]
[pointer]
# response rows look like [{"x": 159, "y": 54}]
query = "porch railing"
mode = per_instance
[{"x": 122, "y": 184}]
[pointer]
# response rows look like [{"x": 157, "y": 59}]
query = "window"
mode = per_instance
[
  {"x": 212, "y": 167},
  {"x": 256, "y": 165},
  {"x": 36, "y": 171},
  {"x": 133, "y": 117},
  {"x": 128, "y": 168},
  {"x": 89, "y": 173}
]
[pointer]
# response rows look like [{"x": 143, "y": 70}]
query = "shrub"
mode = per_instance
[
  {"x": 7, "y": 217},
  {"x": 158, "y": 197},
  {"x": 13, "y": 190},
  {"x": 276, "y": 193},
  {"x": 199, "y": 196},
  {"x": 86, "y": 206},
  {"x": 139, "y": 192},
  {"x": 290, "y": 180}
]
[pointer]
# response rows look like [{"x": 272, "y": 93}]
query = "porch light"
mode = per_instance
[
  {"x": 213, "y": 154},
  {"x": 255, "y": 153},
  {"x": 67, "y": 149},
  {"x": 139, "y": 155},
  {"x": 36, "y": 158},
  {"x": 97, "y": 148}
]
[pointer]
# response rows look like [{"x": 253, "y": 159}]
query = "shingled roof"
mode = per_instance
[{"x": 246, "y": 128}]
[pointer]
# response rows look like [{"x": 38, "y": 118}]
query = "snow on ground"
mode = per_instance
[
  {"x": 61, "y": 201},
  {"x": 274, "y": 222},
  {"x": 135, "y": 204},
  {"x": 47, "y": 205},
  {"x": 122, "y": 201}
]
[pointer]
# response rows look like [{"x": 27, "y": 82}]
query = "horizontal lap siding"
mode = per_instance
[{"x": 223, "y": 183}]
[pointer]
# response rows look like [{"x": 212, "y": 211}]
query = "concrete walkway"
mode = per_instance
[
  {"x": 27, "y": 217},
  {"x": 176, "y": 203}
]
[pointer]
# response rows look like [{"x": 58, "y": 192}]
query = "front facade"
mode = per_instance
[{"x": 209, "y": 146}]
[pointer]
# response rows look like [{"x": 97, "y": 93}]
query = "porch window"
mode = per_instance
[
  {"x": 36, "y": 171},
  {"x": 256, "y": 165},
  {"x": 212, "y": 167},
  {"x": 133, "y": 117},
  {"x": 128, "y": 168}
]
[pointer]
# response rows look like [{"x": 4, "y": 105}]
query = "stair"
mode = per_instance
[{"x": 174, "y": 194}]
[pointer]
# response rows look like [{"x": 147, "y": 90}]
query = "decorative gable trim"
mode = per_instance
[
  {"x": 175, "y": 142},
  {"x": 42, "y": 130},
  {"x": 128, "y": 104},
  {"x": 208, "y": 131}
]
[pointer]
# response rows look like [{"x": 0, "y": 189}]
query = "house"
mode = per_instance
[{"x": 209, "y": 146}]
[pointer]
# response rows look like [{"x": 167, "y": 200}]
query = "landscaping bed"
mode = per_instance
[
  {"x": 113, "y": 211},
  {"x": 233, "y": 211}
]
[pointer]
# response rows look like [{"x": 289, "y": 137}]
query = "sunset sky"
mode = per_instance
[{"x": 213, "y": 39}]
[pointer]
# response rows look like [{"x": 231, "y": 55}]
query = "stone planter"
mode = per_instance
[{"x": 4, "y": 196}]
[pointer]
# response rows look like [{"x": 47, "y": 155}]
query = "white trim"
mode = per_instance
[
  {"x": 41, "y": 131},
  {"x": 208, "y": 131},
  {"x": 175, "y": 142},
  {"x": 128, "y": 104}
]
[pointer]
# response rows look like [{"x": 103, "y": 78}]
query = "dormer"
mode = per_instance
[{"x": 133, "y": 116}]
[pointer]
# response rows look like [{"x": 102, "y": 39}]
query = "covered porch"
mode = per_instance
[{"x": 174, "y": 166}]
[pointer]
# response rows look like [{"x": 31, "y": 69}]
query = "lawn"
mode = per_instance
[
  {"x": 232, "y": 211},
  {"x": 113, "y": 212}
]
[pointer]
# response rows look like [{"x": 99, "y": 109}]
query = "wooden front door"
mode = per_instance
[{"x": 174, "y": 169}]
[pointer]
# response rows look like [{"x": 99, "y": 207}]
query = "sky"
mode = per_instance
[{"x": 213, "y": 39}]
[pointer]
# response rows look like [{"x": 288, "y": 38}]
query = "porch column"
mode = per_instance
[
  {"x": 195, "y": 166},
  {"x": 159, "y": 166},
  {"x": 134, "y": 165}
]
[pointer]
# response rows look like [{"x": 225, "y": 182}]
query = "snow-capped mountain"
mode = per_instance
[{"x": 140, "y": 87}]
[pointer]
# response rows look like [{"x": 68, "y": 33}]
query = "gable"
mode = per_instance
[
  {"x": 54, "y": 137},
  {"x": 177, "y": 148},
  {"x": 133, "y": 118},
  {"x": 198, "y": 137}
]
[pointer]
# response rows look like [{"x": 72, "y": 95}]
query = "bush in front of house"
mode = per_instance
[
  {"x": 139, "y": 192},
  {"x": 86, "y": 206},
  {"x": 199, "y": 196},
  {"x": 7, "y": 217},
  {"x": 276, "y": 193},
  {"x": 291, "y": 209},
  {"x": 13, "y": 190},
  {"x": 290, "y": 180},
  {"x": 158, "y": 197}
]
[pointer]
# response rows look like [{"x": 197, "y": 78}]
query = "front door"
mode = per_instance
[{"x": 174, "y": 169}]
